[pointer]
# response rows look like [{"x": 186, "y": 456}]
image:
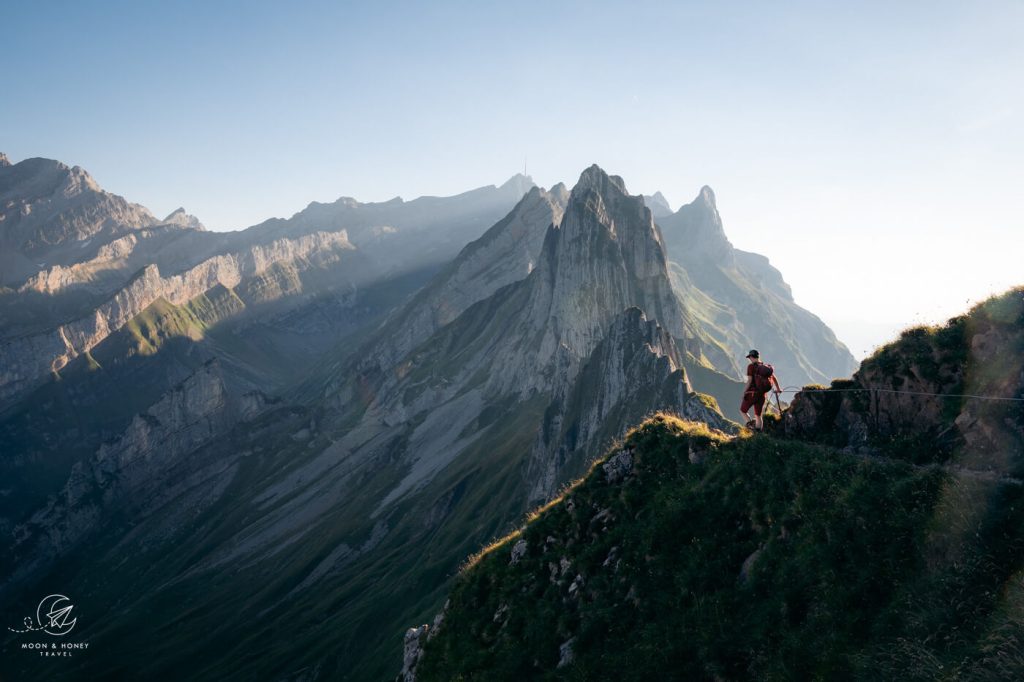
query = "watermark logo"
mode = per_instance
[{"x": 53, "y": 616}]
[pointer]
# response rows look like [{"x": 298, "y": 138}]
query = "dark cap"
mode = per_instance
[{"x": 753, "y": 354}]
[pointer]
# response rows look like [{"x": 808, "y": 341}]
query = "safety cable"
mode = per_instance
[{"x": 794, "y": 389}]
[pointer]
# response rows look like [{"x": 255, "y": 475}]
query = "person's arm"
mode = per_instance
[{"x": 778, "y": 389}]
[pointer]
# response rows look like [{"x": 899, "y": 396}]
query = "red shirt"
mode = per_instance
[{"x": 751, "y": 385}]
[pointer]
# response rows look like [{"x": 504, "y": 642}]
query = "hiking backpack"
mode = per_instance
[{"x": 763, "y": 377}]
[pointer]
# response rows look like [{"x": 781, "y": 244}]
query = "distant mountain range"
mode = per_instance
[{"x": 283, "y": 440}]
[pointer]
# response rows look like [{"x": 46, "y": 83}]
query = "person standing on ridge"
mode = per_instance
[{"x": 760, "y": 380}]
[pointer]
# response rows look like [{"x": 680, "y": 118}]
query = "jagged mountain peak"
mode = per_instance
[
  {"x": 707, "y": 195},
  {"x": 79, "y": 180},
  {"x": 605, "y": 197},
  {"x": 697, "y": 226},
  {"x": 48, "y": 205},
  {"x": 606, "y": 255},
  {"x": 39, "y": 176},
  {"x": 601, "y": 208},
  {"x": 183, "y": 218},
  {"x": 658, "y": 204},
  {"x": 597, "y": 179},
  {"x": 4, "y": 161}
]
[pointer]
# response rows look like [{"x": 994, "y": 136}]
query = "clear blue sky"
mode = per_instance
[{"x": 873, "y": 151}]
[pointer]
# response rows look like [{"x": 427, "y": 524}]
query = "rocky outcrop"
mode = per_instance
[
  {"x": 414, "y": 639},
  {"x": 945, "y": 387},
  {"x": 25, "y": 360}
]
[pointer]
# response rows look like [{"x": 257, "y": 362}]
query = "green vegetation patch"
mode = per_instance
[{"x": 712, "y": 558}]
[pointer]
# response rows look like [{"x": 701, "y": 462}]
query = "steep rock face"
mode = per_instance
[
  {"x": 25, "y": 360},
  {"x": 634, "y": 371},
  {"x": 743, "y": 301},
  {"x": 529, "y": 341},
  {"x": 506, "y": 253},
  {"x": 132, "y": 472},
  {"x": 608, "y": 255},
  {"x": 604, "y": 257},
  {"x": 101, "y": 268}
]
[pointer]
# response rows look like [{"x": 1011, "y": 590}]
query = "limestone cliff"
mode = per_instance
[{"x": 29, "y": 358}]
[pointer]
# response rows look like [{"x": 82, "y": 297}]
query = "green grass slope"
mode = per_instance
[{"x": 746, "y": 558}]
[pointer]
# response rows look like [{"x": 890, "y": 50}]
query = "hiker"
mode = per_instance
[{"x": 760, "y": 380}]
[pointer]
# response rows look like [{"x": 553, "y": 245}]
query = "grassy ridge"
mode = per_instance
[{"x": 748, "y": 558}]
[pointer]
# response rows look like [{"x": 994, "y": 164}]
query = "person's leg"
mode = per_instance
[
  {"x": 758, "y": 407},
  {"x": 748, "y": 402}
]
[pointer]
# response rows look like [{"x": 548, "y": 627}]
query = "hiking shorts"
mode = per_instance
[{"x": 755, "y": 400}]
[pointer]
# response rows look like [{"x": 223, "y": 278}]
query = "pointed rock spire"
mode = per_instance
[
  {"x": 695, "y": 233},
  {"x": 659, "y": 204},
  {"x": 182, "y": 218},
  {"x": 607, "y": 255},
  {"x": 707, "y": 195}
]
